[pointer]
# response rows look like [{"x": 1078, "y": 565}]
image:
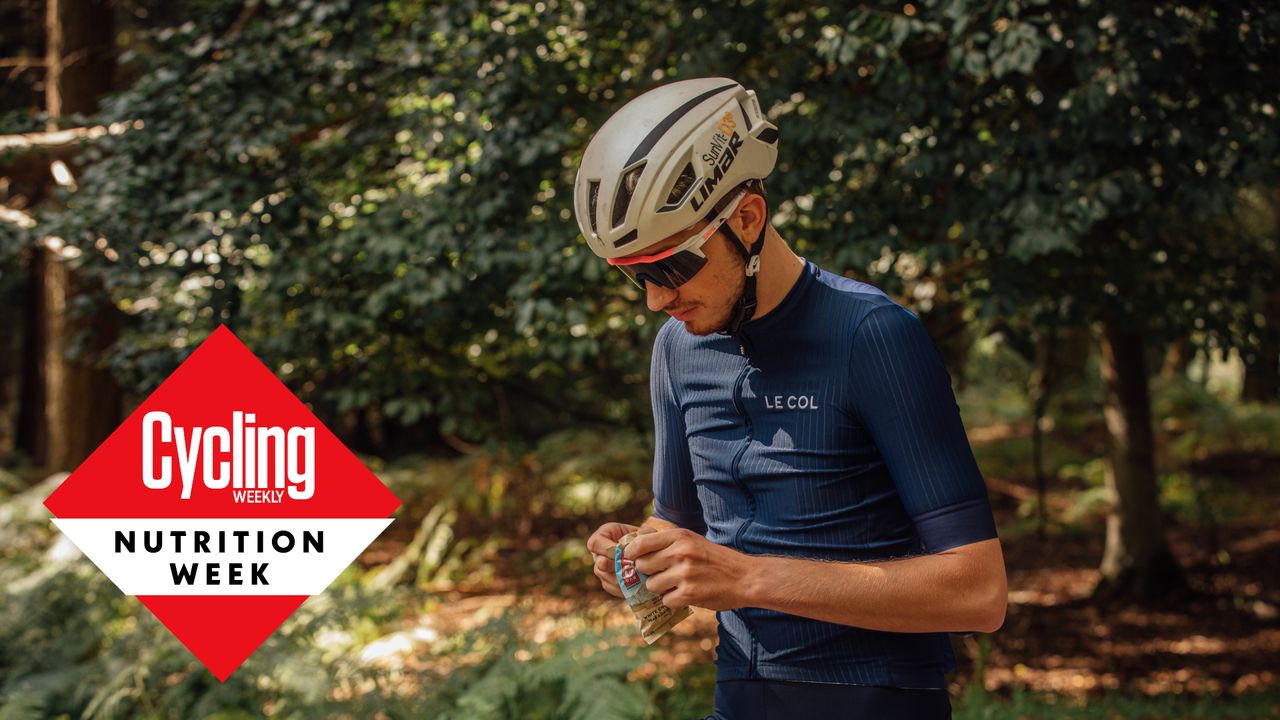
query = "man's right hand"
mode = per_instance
[{"x": 601, "y": 544}]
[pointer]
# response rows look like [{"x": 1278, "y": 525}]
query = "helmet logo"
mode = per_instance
[
  {"x": 727, "y": 124},
  {"x": 722, "y": 159},
  {"x": 726, "y": 128}
]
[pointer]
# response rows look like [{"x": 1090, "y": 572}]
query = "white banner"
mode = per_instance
[{"x": 212, "y": 556}]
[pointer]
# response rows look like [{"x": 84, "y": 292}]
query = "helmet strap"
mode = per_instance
[{"x": 745, "y": 308}]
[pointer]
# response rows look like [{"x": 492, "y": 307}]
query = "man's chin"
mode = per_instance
[
  {"x": 702, "y": 320},
  {"x": 699, "y": 326}
]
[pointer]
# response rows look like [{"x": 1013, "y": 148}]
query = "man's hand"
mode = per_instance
[
  {"x": 688, "y": 569},
  {"x": 601, "y": 544}
]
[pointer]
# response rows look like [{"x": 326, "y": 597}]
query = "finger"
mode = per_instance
[
  {"x": 607, "y": 579},
  {"x": 662, "y": 583},
  {"x": 613, "y": 589},
  {"x": 603, "y": 540},
  {"x": 608, "y": 583},
  {"x": 653, "y": 563},
  {"x": 600, "y": 545},
  {"x": 651, "y": 542},
  {"x": 604, "y": 566},
  {"x": 675, "y": 600}
]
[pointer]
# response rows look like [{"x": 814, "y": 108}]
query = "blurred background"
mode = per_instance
[{"x": 1080, "y": 199}]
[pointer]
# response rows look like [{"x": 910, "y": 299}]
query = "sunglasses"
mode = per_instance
[{"x": 677, "y": 265}]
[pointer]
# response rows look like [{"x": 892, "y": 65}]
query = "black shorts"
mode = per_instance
[{"x": 780, "y": 699}]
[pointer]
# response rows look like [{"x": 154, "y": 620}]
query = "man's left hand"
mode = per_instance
[{"x": 688, "y": 569}]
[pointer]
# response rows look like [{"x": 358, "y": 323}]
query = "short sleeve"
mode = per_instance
[
  {"x": 902, "y": 392},
  {"x": 675, "y": 497}
]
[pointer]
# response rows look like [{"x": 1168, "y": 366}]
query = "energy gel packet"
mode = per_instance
[{"x": 654, "y": 618}]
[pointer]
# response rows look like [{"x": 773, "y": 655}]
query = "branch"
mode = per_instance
[
  {"x": 61, "y": 138},
  {"x": 21, "y": 62},
  {"x": 243, "y": 19}
]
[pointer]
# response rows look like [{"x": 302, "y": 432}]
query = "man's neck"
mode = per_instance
[{"x": 780, "y": 268}]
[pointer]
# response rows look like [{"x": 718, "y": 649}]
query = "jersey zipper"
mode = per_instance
[{"x": 737, "y": 478}]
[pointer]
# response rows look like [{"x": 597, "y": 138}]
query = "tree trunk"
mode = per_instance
[
  {"x": 82, "y": 404},
  {"x": 1040, "y": 391},
  {"x": 1262, "y": 366},
  {"x": 951, "y": 333},
  {"x": 11, "y": 324},
  {"x": 1071, "y": 361},
  {"x": 29, "y": 435},
  {"x": 79, "y": 56},
  {"x": 1136, "y": 561},
  {"x": 70, "y": 405},
  {"x": 1176, "y": 359}
]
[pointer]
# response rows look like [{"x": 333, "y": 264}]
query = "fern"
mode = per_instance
[
  {"x": 72, "y": 646},
  {"x": 569, "y": 680},
  {"x": 23, "y": 704}
]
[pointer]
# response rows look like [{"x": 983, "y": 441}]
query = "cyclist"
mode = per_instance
[{"x": 812, "y": 478}]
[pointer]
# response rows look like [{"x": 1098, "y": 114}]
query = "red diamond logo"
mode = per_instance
[{"x": 222, "y": 503}]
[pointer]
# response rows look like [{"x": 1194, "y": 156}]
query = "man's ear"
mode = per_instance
[{"x": 749, "y": 218}]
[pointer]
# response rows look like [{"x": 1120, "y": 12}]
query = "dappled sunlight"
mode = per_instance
[{"x": 1078, "y": 200}]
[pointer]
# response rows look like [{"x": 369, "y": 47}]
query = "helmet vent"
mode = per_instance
[
  {"x": 593, "y": 195},
  {"x": 626, "y": 239},
  {"x": 683, "y": 184},
  {"x": 626, "y": 188}
]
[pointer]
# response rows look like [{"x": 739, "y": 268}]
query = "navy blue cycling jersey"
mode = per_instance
[{"x": 826, "y": 429}]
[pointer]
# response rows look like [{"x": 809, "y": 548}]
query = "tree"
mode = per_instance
[
  {"x": 1086, "y": 156},
  {"x": 376, "y": 197},
  {"x": 67, "y": 405},
  {"x": 1262, "y": 357}
]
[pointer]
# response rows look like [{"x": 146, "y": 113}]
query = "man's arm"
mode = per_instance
[
  {"x": 962, "y": 589},
  {"x": 959, "y": 590}
]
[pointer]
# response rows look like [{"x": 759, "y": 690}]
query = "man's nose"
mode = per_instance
[{"x": 657, "y": 296}]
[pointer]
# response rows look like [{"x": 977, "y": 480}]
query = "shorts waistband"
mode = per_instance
[{"x": 777, "y": 699}]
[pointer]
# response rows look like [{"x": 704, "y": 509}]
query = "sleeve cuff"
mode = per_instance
[
  {"x": 955, "y": 525},
  {"x": 688, "y": 521}
]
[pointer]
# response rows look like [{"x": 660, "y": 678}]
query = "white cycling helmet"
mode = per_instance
[{"x": 661, "y": 163}]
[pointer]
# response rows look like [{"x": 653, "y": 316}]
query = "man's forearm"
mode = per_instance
[{"x": 953, "y": 591}]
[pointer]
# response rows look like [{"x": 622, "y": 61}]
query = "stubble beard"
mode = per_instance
[{"x": 723, "y": 313}]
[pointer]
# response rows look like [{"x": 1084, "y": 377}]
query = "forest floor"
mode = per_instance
[{"x": 1220, "y": 638}]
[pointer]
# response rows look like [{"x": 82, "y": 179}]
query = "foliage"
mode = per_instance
[
  {"x": 1083, "y": 155},
  {"x": 553, "y": 477},
  {"x": 1203, "y": 424},
  {"x": 980, "y": 706},
  {"x": 323, "y": 181},
  {"x": 582, "y": 678},
  {"x": 532, "y": 509},
  {"x": 376, "y": 196},
  {"x": 71, "y": 645}
]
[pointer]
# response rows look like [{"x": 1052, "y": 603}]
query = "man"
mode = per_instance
[{"x": 812, "y": 480}]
